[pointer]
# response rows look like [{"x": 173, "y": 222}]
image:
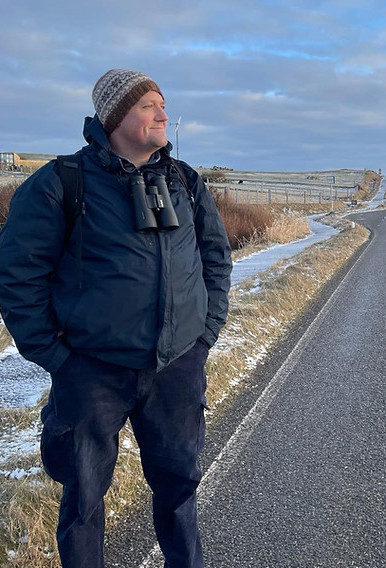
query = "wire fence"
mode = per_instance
[{"x": 265, "y": 192}]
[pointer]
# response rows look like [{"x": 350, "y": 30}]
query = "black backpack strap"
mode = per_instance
[
  {"x": 71, "y": 176},
  {"x": 181, "y": 173}
]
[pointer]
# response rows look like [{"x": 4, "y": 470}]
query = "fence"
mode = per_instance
[{"x": 266, "y": 192}]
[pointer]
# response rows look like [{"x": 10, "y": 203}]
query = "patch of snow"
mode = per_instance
[
  {"x": 8, "y": 351},
  {"x": 22, "y": 382},
  {"x": 19, "y": 473},
  {"x": 256, "y": 288},
  {"x": 16, "y": 442}
]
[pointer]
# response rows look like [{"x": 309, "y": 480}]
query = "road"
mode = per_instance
[
  {"x": 306, "y": 485},
  {"x": 295, "y": 475}
]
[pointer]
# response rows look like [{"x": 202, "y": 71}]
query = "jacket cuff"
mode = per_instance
[
  {"x": 51, "y": 358},
  {"x": 203, "y": 340},
  {"x": 209, "y": 336}
]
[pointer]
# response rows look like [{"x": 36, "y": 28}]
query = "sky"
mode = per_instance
[{"x": 271, "y": 85}]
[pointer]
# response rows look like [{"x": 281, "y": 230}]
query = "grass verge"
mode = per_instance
[{"x": 260, "y": 313}]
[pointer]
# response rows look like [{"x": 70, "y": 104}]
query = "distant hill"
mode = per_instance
[{"x": 37, "y": 157}]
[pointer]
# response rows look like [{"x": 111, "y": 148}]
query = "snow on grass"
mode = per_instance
[
  {"x": 19, "y": 473},
  {"x": 8, "y": 351},
  {"x": 19, "y": 442}
]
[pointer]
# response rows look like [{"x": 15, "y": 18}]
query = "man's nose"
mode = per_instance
[{"x": 162, "y": 116}]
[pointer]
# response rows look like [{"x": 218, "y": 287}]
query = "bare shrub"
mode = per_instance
[
  {"x": 242, "y": 221},
  {"x": 287, "y": 228},
  {"x": 31, "y": 166},
  {"x": 213, "y": 176},
  {"x": 6, "y": 192},
  {"x": 369, "y": 186},
  {"x": 217, "y": 194},
  {"x": 253, "y": 224}
]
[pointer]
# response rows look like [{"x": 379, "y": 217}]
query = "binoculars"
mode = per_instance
[{"x": 153, "y": 208}]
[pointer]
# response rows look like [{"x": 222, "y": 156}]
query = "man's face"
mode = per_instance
[{"x": 144, "y": 126}]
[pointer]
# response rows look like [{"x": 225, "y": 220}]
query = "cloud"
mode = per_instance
[
  {"x": 271, "y": 85},
  {"x": 194, "y": 128}
]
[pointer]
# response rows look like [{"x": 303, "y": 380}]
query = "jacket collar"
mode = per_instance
[{"x": 96, "y": 137}]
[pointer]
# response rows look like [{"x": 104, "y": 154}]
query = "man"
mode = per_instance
[{"x": 122, "y": 315}]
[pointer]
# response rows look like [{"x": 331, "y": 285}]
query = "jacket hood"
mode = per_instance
[
  {"x": 93, "y": 132},
  {"x": 96, "y": 137}
]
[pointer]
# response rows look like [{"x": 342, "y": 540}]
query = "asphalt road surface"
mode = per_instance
[{"x": 295, "y": 474}]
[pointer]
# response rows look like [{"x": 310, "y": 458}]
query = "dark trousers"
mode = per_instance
[{"x": 89, "y": 403}]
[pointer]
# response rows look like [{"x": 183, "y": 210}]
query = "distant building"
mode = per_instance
[
  {"x": 9, "y": 159},
  {"x": 12, "y": 161}
]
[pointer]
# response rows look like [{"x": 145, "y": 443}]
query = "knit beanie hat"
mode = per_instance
[{"x": 116, "y": 92}]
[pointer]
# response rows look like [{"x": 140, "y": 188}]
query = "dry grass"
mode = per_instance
[
  {"x": 257, "y": 320},
  {"x": 31, "y": 166},
  {"x": 243, "y": 222},
  {"x": 32, "y": 509},
  {"x": 287, "y": 228},
  {"x": 369, "y": 186},
  {"x": 6, "y": 192},
  {"x": 251, "y": 224},
  {"x": 308, "y": 208},
  {"x": 5, "y": 338},
  {"x": 19, "y": 418}
]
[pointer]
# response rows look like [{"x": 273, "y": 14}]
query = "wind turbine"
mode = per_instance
[{"x": 177, "y": 125}]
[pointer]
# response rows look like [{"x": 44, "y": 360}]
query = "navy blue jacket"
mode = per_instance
[{"x": 144, "y": 298}]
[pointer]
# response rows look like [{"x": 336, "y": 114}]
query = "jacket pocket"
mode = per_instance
[{"x": 57, "y": 448}]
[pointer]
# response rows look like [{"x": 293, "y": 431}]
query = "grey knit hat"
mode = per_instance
[{"x": 116, "y": 92}]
